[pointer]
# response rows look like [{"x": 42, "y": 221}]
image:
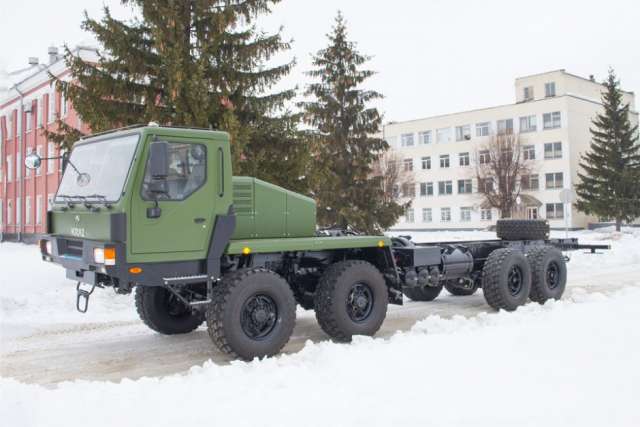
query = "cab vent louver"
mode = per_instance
[{"x": 243, "y": 198}]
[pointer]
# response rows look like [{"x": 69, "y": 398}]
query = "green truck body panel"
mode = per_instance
[
  {"x": 306, "y": 244},
  {"x": 266, "y": 211},
  {"x": 268, "y": 218}
]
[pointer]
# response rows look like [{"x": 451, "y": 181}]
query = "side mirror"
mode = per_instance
[
  {"x": 32, "y": 161},
  {"x": 159, "y": 160}
]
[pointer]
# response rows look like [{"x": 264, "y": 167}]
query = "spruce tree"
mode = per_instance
[
  {"x": 200, "y": 63},
  {"x": 345, "y": 145},
  {"x": 609, "y": 184}
]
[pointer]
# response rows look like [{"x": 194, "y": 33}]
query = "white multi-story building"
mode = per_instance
[{"x": 552, "y": 115}]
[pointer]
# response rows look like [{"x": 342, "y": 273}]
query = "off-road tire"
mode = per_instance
[
  {"x": 152, "y": 304},
  {"x": 428, "y": 293},
  {"x": 225, "y": 313},
  {"x": 456, "y": 290},
  {"x": 332, "y": 296},
  {"x": 548, "y": 273},
  {"x": 496, "y": 279},
  {"x": 522, "y": 229}
]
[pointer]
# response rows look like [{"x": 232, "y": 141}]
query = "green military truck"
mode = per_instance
[{"x": 157, "y": 210}]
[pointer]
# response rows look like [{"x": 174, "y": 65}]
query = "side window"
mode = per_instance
[{"x": 187, "y": 172}]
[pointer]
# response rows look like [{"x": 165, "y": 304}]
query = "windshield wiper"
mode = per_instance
[
  {"x": 102, "y": 197},
  {"x": 70, "y": 199}
]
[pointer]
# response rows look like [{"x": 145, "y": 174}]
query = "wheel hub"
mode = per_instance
[
  {"x": 259, "y": 316},
  {"x": 553, "y": 275},
  {"x": 359, "y": 302},
  {"x": 515, "y": 280}
]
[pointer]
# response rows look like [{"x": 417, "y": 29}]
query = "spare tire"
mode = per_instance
[{"x": 522, "y": 229}]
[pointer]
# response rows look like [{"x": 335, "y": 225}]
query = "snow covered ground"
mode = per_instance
[{"x": 449, "y": 362}]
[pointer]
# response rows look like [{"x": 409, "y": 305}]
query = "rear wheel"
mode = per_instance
[
  {"x": 458, "y": 290},
  {"x": 506, "y": 279},
  {"x": 427, "y": 293},
  {"x": 163, "y": 312},
  {"x": 351, "y": 299},
  {"x": 548, "y": 273},
  {"x": 252, "y": 314}
]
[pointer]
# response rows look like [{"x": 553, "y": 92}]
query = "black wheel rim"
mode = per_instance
[
  {"x": 515, "y": 280},
  {"x": 259, "y": 316},
  {"x": 553, "y": 275},
  {"x": 359, "y": 302}
]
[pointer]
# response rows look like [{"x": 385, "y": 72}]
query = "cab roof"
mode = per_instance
[{"x": 153, "y": 127}]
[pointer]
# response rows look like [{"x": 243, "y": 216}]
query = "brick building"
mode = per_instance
[{"x": 29, "y": 104}]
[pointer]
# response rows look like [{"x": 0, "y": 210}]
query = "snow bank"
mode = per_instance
[{"x": 565, "y": 363}]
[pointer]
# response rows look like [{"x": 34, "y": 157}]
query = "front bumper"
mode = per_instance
[{"x": 76, "y": 256}]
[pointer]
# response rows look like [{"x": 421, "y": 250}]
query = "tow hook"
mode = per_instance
[{"x": 82, "y": 297}]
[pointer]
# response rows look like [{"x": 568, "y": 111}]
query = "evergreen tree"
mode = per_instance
[
  {"x": 610, "y": 176},
  {"x": 200, "y": 63},
  {"x": 344, "y": 143}
]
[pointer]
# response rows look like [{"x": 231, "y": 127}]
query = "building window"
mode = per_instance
[
  {"x": 465, "y": 214},
  {"x": 426, "y": 163},
  {"x": 551, "y": 120},
  {"x": 39, "y": 209},
  {"x": 464, "y": 159},
  {"x": 445, "y": 214},
  {"x": 39, "y": 151},
  {"x": 9, "y": 211},
  {"x": 28, "y": 116},
  {"x": 409, "y": 215},
  {"x": 553, "y": 150},
  {"x": 528, "y": 93},
  {"x": 18, "y": 165},
  {"x": 529, "y": 152},
  {"x": 484, "y": 157},
  {"x": 505, "y": 126},
  {"x": 483, "y": 129},
  {"x": 554, "y": 180},
  {"x": 408, "y": 165},
  {"x": 485, "y": 214},
  {"x": 485, "y": 185},
  {"x": 50, "y": 197},
  {"x": 532, "y": 213},
  {"x": 40, "y": 112},
  {"x": 550, "y": 89},
  {"x": 406, "y": 140},
  {"x": 63, "y": 105},
  {"x": 427, "y": 215},
  {"x": 408, "y": 190},
  {"x": 464, "y": 186},
  {"x": 9, "y": 168},
  {"x": 445, "y": 188},
  {"x": 463, "y": 133},
  {"x": 424, "y": 138},
  {"x": 52, "y": 106},
  {"x": 426, "y": 189},
  {"x": 555, "y": 211},
  {"x": 444, "y": 161},
  {"x": 529, "y": 182},
  {"x": 443, "y": 135},
  {"x": 527, "y": 124},
  {"x": 27, "y": 210},
  {"x": 50, "y": 160},
  {"x": 18, "y": 210}
]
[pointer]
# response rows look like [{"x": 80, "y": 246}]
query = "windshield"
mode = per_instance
[{"x": 98, "y": 170}]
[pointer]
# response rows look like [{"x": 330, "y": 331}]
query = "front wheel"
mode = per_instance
[
  {"x": 351, "y": 299},
  {"x": 163, "y": 312}
]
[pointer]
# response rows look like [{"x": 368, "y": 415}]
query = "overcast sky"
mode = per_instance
[{"x": 432, "y": 56}]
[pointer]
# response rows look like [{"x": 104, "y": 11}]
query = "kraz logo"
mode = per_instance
[{"x": 77, "y": 231}]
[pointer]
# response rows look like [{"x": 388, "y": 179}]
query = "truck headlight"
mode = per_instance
[
  {"x": 46, "y": 247},
  {"x": 106, "y": 256}
]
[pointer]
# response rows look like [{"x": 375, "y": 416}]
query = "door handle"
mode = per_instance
[{"x": 199, "y": 220}]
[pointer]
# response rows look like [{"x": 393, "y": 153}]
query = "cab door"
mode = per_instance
[{"x": 183, "y": 228}]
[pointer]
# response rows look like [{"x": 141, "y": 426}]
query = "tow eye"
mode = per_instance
[{"x": 82, "y": 298}]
